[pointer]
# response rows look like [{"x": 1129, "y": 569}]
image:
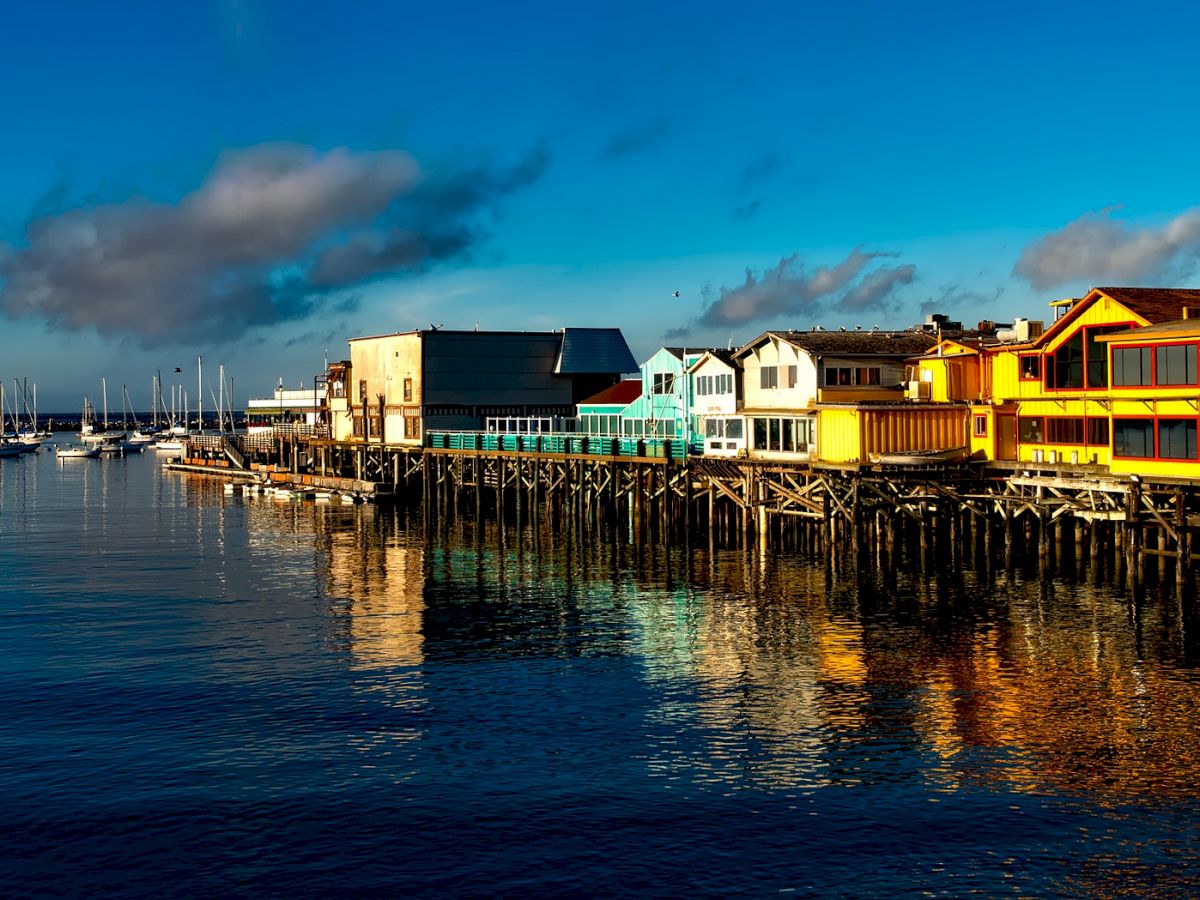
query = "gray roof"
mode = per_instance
[
  {"x": 853, "y": 343},
  {"x": 594, "y": 351}
]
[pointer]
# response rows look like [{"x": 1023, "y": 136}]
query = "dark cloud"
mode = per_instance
[
  {"x": 790, "y": 289},
  {"x": 636, "y": 139},
  {"x": 1097, "y": 249},
  {"x": 266, "y": 237},
  {"x": 876, "y": 288}
]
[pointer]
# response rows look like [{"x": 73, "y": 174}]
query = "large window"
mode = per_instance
[
  {"x": 1177, "y": 438},
  {"x": 1064, "y": 430},
  {"x": 1080, "y": 361},
  {"x": 843, "y": 376},
  {"x": 723, "y": 428},
  {"x": 1030, "y": 429},
  {"x": 1064, "y": 367},
  {"x": 838, "y": 376},
  {"x": 664, "y": 383},
  {"x": 1133, "y": 437},
  {"x": 768, "y": 378},
  {"x": 866, "y": 375},
  {"x": 1131, "y": 366},
  {"x": 1175, "y": 364},
  {"x": 782, "y": 434}
]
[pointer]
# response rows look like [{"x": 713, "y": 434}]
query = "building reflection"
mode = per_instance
[{"x": 381, "y": 577}]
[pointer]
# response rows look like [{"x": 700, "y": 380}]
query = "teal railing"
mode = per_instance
[{"x": 573, "y": 444}]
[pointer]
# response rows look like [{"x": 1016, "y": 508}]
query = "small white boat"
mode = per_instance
[{"x": 69, "y": 451}]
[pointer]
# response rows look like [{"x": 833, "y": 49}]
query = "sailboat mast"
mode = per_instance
[
  {"x": 104, "y": 396},
  {"x": 199, "y": 394}
]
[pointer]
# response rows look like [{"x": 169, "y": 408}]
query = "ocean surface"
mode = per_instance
[{"x": 226, "y": 695}]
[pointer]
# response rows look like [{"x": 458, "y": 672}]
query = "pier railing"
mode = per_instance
[{"x": 564, "y": 443}]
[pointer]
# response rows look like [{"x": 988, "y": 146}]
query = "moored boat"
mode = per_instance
[{"x": 76, "y": 451}]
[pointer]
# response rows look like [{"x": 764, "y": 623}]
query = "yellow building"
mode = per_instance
[
  {"x": 1155, "y": 399},
  {"x": 1065, "y": 397}
]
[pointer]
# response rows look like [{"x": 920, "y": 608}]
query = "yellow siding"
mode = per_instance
[
  {"x": 856, "y": 435},
  {"x": 838, "y": 436}
]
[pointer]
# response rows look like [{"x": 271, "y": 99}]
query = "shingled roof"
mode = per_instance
[
  {"x": 854, "y": 343},
  {"x": 1155, "y": 304}
]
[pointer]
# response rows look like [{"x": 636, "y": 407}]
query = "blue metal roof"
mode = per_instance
[{"x": 594, "y": 351}]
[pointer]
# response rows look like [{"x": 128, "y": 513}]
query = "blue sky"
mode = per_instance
[{"x": 257, "y": 182}]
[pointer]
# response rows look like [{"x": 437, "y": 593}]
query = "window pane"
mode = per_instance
[
  {"x": 774, "y": 437},
  {"x": 1029, "y": 430},
  {"x": 1177, "y": 438},
  {"x": 1131, "y": 366},
  {"x": 788, "y": 441},
  {"x": 733, "y": 428},
  {"x": 1097, "y": 432},
  {"x": 1133, "y": 437},
  {"x": 1177, "y": 364},
  {"x": 1066, "y": 365},
  {"x": 760, "y": 433}
]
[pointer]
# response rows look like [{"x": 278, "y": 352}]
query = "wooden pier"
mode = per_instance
[{"x": 657, "y": 494}]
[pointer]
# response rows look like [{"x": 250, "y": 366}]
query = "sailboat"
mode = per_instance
[
  {"x": 110, "y": 442},
  {"x": 28, "y": 433},
  {"x": 10, "y": 443},
  {"x": 138, "y": 439}
]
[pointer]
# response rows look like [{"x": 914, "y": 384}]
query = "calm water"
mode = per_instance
[{"x": 226, "y": 695}]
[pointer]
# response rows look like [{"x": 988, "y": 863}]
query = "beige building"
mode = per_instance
[{"x": 396, "y": 387}]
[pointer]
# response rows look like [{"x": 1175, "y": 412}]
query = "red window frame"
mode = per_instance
[
  {"x": 1154, "y": 420},
  {"x": 1021, "y": 376},
  {"x": 1048, "y": 355}
]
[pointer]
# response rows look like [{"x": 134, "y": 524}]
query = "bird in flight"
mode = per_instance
[{"x": 677, "y": 293}]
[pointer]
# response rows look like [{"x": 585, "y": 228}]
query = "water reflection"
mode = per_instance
[{"x": 232, "y": 648}]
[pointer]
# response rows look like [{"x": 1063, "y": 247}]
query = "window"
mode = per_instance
[
  {"x": 768, "y": 377},
  {"x": 788, "y": 373},
  {"x": 358, "y": 426},
  {"x": 866, "y": 375},
  {"x": 408, "y": 390},
  {"x": 1097, "y": 354},
  {"x": 1175, "y": 364},
  {"x": 733, "y": 428},
  {"x": 1030, "y": 429},
  {"x": 979, "y": 426},
  {"x": 838, "y": 376},
  {"x": 664, "y": 383},
  {"x": 1097, "y": 431},
  {"x": 1133, "y": 437},
  {"x": 362, "y": 391},
  {"x": 760, "y": 433},
  {"x": 412, "y": 427},
  {"x": 1065, "y": 368},
  {"x": 1031, "y": 367},
  {"x": 1177, "y": 438},
  {"x": 1131, "y": 366},
  {"x": 1081, "y": 361},
  {"x": 1063, "y": 430}
]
